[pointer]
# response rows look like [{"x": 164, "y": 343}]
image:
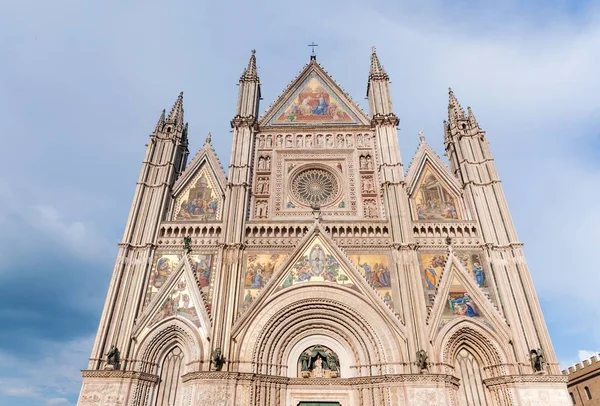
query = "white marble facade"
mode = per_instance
[{"x": 319, "y": 266}]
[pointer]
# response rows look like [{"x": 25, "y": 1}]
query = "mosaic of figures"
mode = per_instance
[
  {"x": 375, "y": 269},
  {"x": 314, "y": 102},
  {"x": 432, "y": 266},
  {"x": 432, "y": 200},
  {"x": 268, "y": 141},
  {"x": 199, "y": 201},
  {"x": 318, "y": 362},
  {"x": 317, "y": 265},
  {"x": 178, "y": 303},
  {"x": 259, "y": 270},
  {"x": 165, "y": 264},
  {"x": 460, "y": 304}
]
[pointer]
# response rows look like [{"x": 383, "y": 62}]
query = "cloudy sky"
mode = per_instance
[{"x": 82, "y": 84}]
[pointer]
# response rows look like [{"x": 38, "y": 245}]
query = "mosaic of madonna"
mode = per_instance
[
  {"x": 198, "y": 202},
  {"x": 259, "y": 270},
  {"x": 317, "y": 265}
]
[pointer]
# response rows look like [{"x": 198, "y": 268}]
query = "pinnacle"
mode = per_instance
[
  {"x": 376, "y": 71},
  {"x": 161, "y": 122},
  {"x": 454, "y": 108},
  {"x": 176, "y": 114},
  {"x": 250, "y": 72}
]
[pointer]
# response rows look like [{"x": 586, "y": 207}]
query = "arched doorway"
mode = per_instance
[
  {"x": 170, "y": 371},
  {"x": 472, "y": 390}
]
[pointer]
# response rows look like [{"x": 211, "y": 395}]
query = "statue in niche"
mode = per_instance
[
  {"x": 269, "y": 141},
  {"x": 217, "y": 359},
  {"x": 537, "y": 360},
  {"x": 329, "y": 140},
  {"x": 367, "y": 141},
  {"x": 113, "y": 358},
  {"x": 279, "y": 140},
  {"x": 319, "y": 362},
  {"x": 261, "y": 142}
]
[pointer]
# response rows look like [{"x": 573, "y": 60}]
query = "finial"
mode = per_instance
[
  {"x": 376, "y": 72},
  {"x": 176, "y": 114},
  {"x": 421, "y": 136},
  {"x": 250, "y": 72},
  {"x": 454, "y": 108},
  {"x": 208, "y": 138}
]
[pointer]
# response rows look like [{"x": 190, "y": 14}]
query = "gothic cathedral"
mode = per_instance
[{"x": 318, "y": 271}]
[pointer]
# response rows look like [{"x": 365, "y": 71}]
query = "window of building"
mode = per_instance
[
  {"x": 587, "y": 392},
  {"x": 572, "y": 397}
]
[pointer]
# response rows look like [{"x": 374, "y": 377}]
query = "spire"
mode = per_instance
[
  {"x": 454, "y": 108},
  {"x": 250, "y": 73},
  {"x": 376, "y": 71},
  {"x": 471, "y": 117},
  {"x": 161, "y": 122},
  {"x": 176, "y": 114}
]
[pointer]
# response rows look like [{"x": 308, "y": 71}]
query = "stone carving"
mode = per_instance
[
  {"x": 262, "y": 185},
  {"x": 261, "y": 141},
  {"x": 426, "y": 397},
  {"x": 422, "y": 360},
  {"x": 543, "y": 397},
  {"x": 319, "y": 362},
  {"x": 279, "y": 140},
  {"x": 370, "y": 208},
  {"x": 261, "y": 209},
  {"x": 113, "y": 358},
  {"x": 366, "y": 162},
  {"x": 214, "y": 395},
  {"x": 217, "y": 359},
  {"x": 264, "y": 163},
  {"x": 537, "y": 360},
  {"x": 367, "y": 184},
  {"x": 315, "y": 186}
]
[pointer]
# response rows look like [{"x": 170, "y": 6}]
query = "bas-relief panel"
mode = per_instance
[
  {"x": 314, "y": 102},
  {"x": 198, "y": 201},
  {"x": 108, "y": 393},
  {"x": 259, "y": 270},
  {"x": 426, "y": 396},
  {"x": 544, "y": 397},
  {"x": 432, "y": 200},
  {"x": 317, "y": 265},
  {"x": 178, "y": 303},
  {"x": 375, "y": 269}
]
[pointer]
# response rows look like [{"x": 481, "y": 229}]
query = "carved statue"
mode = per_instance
[
  {"x": 113, "y": 357},
  {"x": 333, "y": 362},
  {"x": 422, "y": 360},
  {"x": 537, "y": 360},
  {"x": 218, "y": 359},
  {"x": 304, "y": 359},
  {"x": 187, "y": 241}
]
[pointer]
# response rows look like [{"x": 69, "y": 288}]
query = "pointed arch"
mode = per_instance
[{"x": 166, "y": 335}]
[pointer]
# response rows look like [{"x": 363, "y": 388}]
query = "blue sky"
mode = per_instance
[{"x": 83, "y": 83}]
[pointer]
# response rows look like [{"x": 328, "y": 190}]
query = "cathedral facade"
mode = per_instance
[{"x": 319, "y": 271}]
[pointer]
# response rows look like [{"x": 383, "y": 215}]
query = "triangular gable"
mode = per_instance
[
  {"x": 180, "y": 296},
  {"x": 314, "y": 99},
  {"x": 459, "y": 297},
  {"x": 434, "y": 193},
  {"x": 199, "y": 193},
  {"x": 318, "y": 259}
]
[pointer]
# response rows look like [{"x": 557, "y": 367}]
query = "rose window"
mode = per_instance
[{"x": 315, "y": 187}]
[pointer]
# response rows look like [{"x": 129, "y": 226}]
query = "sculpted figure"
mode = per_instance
[
  {"x": 537, "y": 360},
  {"x": 218, "y": 359},
  {"x": 113, "y": 357},
  {"x": 422, "y": 360}
]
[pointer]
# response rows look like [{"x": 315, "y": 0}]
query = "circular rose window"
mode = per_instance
[{"x": 315, "y": 186}]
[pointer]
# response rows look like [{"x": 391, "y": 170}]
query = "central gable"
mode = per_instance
[{"x": 314, "y": 99}]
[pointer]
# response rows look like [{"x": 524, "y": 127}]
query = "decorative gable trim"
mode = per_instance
[
  {"x": 314, "y": 71},
  {"x": 454, "y": 269},
  {"x": 184, "y": 269}
]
